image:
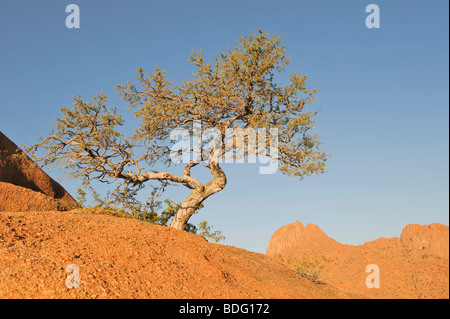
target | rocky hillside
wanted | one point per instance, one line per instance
(18, 169)
(427, 240)
(125, 258)
(118, 257)
(416, 265)
(20, 199)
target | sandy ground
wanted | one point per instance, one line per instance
(15, 198)
(125, 258)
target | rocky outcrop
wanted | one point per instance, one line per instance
(432, 240)
(295, 234)
(18, 169)
(416, 265)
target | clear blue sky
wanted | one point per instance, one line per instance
(383, 98)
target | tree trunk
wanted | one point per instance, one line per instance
(198, 195)
(187, 209)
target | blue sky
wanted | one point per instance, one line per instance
(383, 99)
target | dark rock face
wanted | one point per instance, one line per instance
(18, 169)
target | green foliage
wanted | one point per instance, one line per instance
(205, 231)
(202, 229)
(81, 197)
(308, 269)
(123, 202)
(237, 90)
(311, 269)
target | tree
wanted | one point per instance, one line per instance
(236, 92)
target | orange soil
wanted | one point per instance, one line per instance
(15, 198)
(126, 258)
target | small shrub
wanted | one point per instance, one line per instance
(309, 269)
(81, 197)
(205, 231)
(124, 203)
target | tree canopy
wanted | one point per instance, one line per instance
(236, 91)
